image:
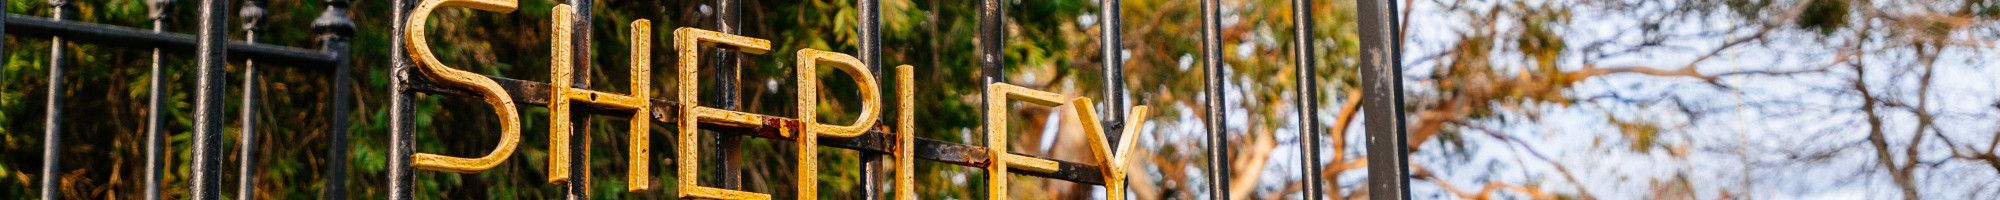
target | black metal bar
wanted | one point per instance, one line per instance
(870, 19)
(3, 28)
(52, 118)
(206, 175)
(400, 140)
(1308, 96)
(723, 66)
(157, 10)
(334, 28)
(1114, 68)
(117, 36)
(579, 187)
(1218, 137)
(252, 15)
(1382, 100)
(991, 59)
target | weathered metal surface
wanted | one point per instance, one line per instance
(870, 32)
(206, 175)
(777, 128)
(992, 39)
(500, 100)
(559, 76)
(252, 15)
(401, 142)
(116, 36)
(334, 29)
(1114, 65)
(723, 68)
(638, 102)
(1308, 97)
(905, 133)
(996, 135)
(52, 111)
(686, 41)
(1382, 89)
(1112, 162)
(1212, 100)
(808, 108)
(155, 165)
(580, 42)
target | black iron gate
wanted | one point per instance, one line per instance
(1380, 55)
(211, 50)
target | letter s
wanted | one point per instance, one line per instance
(503, 104)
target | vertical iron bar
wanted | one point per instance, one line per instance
(1114, 68)
(400, 139)
(208, 119)
(334, 28)
(52, 121)
(252, 14)
(1114, 72)
(1308, 96)
(158, 11)
(1396, 30)
(1218, 137)
(722, 64)
(1382, 88)
(3, 29)
(870, 19)
(579, 186)
(991, 42)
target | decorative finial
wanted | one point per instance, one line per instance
(157, 9)
(252, 14)
(334, 22)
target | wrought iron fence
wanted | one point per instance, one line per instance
(1380, 55)
(211, 50)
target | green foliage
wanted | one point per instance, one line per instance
(1985, 8)
(1749, 9)
(1824, 16)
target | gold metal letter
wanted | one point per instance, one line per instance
(998, 160)
(686, 42)
(906, 132)
(503, 105)
(1113, 163)
(637, 175)
(808, 107)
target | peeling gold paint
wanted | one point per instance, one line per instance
(561, 76)
(559, 73)
(1112, 163)
(996, 134)
(690, 115)
(687, 42)
(808, 107)
(503, 104)
(906, 132)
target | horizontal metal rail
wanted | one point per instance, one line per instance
(876, 140)
(32, 26)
